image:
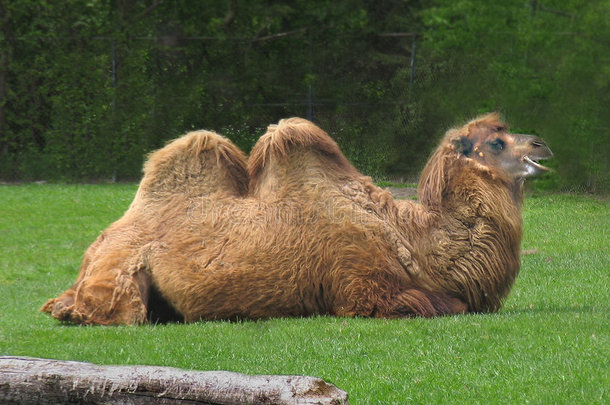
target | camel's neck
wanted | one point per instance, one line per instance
(472, 242)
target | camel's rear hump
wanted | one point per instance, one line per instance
(198, 163)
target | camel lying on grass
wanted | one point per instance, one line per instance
(295, 230)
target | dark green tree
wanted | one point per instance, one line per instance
(87, 88)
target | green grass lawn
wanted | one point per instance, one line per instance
(549, 344)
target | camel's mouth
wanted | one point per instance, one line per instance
(532, 167)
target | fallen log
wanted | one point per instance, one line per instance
(27, 380)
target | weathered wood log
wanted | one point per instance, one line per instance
(27, 380)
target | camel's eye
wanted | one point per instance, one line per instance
(497, 145)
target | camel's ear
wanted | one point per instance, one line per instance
(462, 145)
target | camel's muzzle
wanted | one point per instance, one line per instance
(538, 151)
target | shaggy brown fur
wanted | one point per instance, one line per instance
(298, 231)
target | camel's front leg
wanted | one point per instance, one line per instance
(381, 298)
(418, 302)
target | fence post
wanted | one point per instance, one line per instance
(114, 172)
(310, 115)
(310, 112)
(412, 74)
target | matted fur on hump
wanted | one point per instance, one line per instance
(291, 135)
(200, 162)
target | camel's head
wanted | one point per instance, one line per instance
(487, 141)
(486, 145)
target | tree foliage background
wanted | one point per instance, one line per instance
(88, 87)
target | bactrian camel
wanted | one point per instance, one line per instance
(296, 230)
